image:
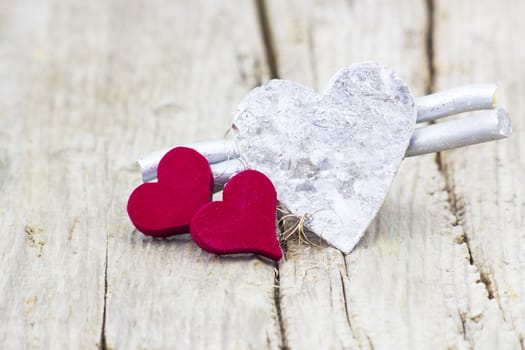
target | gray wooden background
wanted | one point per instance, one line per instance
(88, 86)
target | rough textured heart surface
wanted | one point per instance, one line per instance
(331, 156)
(244, 222)
(165, 208)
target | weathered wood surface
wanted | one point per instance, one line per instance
(486, 183)
(88, 86)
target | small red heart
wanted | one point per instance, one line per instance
(165, 208)
(244, 222)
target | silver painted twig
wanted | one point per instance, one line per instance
(482, 127)
(215, 151)
(223, 171)
(454, 101)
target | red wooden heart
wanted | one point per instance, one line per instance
(244, 222)
(165, 208)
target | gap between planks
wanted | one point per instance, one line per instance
(452, 200)
(449, 188)
(103, 345)
(271, 61)
(267, 38)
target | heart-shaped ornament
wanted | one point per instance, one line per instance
(331, 156)
(165, 208)
(244, 222)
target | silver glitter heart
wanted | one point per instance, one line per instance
(331, 156)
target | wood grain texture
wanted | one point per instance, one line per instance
(486, 181)
(409, 283)
(87, 87)
(53, 177)
(180, 69)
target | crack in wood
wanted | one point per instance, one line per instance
(345, 302)
(457, 211)
(370, 344)
(267, 37)
(271, 61)
(278, 310)
(452, 198)
(347, 312)
(103, 345)
(345, 264)
(429, 49)
(462, 317)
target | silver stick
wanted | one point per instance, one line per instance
(458, 100)
(215, 151)
(223, 171)
(488, 126)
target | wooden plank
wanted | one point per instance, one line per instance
(409, 283)
(52, 174)
(486, 181)
(178, 71)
